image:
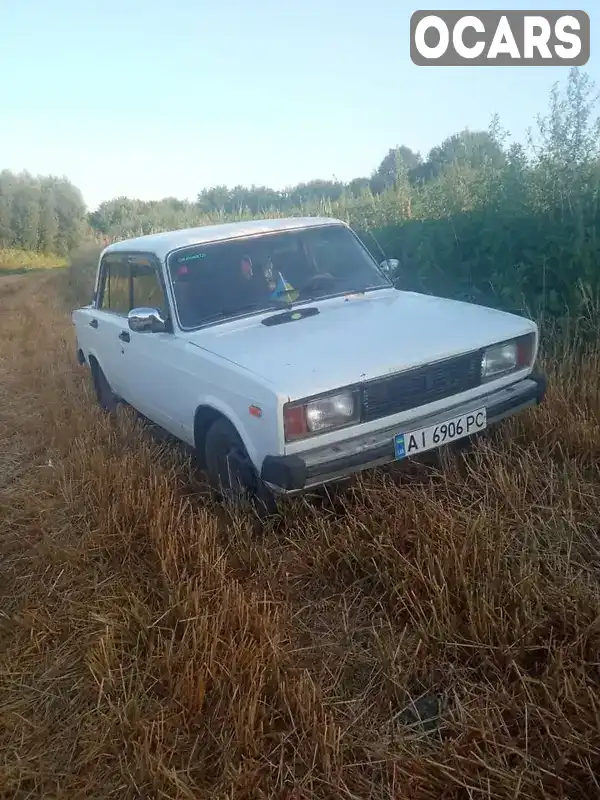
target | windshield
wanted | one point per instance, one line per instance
(240, 276)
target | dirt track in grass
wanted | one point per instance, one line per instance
(431, 632)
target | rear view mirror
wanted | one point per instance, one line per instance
(146, 320)
(389, 266)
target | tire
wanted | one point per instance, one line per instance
(231, 472)
(107, 400)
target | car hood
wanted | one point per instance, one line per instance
(356, 338)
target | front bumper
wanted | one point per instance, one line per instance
(294, 473)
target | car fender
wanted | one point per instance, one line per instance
(255, 440)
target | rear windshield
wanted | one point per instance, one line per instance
(222, 280)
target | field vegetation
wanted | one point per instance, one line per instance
(15, 261)
(424, 632)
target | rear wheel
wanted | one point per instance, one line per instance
(107, 400)
(231, 471)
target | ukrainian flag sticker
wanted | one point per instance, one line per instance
(400, 446)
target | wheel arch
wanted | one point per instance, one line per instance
(208, 413)
(94, 364)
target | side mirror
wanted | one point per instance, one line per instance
(389, 266)
(146, 320)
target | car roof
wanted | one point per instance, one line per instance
(161, 244)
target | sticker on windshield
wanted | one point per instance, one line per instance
(191, 257)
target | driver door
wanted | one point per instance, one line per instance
(108, 318)
(152, 373)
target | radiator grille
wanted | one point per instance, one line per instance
(383, 397)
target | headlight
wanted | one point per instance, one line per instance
(321, 414)
(499, 359)
(502, 359)
(334, 410)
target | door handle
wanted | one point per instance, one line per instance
(124, 336)
(94, 323)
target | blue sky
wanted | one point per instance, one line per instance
(149, 98)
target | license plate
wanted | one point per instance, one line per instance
(414, 442)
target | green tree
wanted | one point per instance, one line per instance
(7, 185)
(473, 149)
(394, 169)
(359, 186)
(569, 133)
(71, 211)
(566, 147)
(26, 212)
(48, 222)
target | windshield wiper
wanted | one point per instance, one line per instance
(346, 292)
(372, 288)
(235, 311)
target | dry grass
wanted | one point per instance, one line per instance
(25, 260)
(150, 649)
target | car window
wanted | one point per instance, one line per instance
(222, 280)
(114, 288)
(146, 286)
(128, 282)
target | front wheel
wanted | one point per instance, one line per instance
(231, 472)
